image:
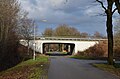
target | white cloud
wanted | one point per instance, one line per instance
(74, 12)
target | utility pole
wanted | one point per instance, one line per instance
(34, 45)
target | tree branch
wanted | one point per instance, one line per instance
(114, 10)
(102, 4)
(117, 3)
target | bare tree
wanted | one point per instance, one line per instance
(8, 21)
(27, 30)
(9, 14)
(117, 34)
(117, 27)
(109, 10)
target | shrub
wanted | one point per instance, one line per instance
(23, 52)
(98, 50)
(116, 51)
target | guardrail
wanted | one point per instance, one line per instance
(72, 39)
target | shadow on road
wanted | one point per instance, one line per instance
(56, 54)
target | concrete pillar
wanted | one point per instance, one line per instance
(68, 48)
(41, 48)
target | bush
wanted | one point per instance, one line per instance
(116, 51)
(98, 50)
(23, 52)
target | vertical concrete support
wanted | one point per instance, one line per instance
(41, 48)
(72, 48)
(68, 48)
(59, 47)
(77, 46)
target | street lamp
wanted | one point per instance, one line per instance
(34, 45)
(34, 55)
(44, 20)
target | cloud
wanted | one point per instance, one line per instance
(79, 13)
(40, 9)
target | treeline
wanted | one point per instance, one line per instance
(12, 23)
(68, 31)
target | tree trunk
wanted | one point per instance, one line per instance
(110, 33)
(110, 42)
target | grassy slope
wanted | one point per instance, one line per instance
(112, 69)
(30, 69)
(88, 58)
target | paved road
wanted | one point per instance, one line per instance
(67, 68)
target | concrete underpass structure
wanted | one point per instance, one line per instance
(74, 44)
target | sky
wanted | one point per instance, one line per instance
(84, 15)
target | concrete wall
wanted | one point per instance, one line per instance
(83, 45)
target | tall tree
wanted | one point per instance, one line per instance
(8, 21)
(109, 10)
(9, 17)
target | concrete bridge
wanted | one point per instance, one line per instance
(73, 44)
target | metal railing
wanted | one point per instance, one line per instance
(71, 39)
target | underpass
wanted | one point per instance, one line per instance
(73, 45)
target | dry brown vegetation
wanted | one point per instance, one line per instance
(30, 69)
(98, 50)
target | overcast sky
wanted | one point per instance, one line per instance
(81, 14)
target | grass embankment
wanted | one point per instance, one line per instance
(114, 69)
(88, 58)
(30, 69)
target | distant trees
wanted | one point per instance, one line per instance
(66, 31)
(98, 35)
(48, 32)
(62, 31)
(84, 35)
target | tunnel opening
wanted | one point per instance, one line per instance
(58, 49)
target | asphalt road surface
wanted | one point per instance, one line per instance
(68, 68)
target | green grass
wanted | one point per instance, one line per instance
(110, 68)
(30, 69)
